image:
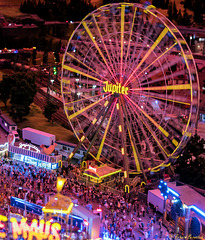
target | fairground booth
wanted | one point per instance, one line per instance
(98, 174)
(30, 154)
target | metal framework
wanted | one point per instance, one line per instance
(130, 87)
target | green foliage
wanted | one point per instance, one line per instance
(170, 11)
(49, 110)
(20, 88)
(191, 164)
(175, 12)
(58, 9)
(22, 94)
(179, 18)
(186, 18)
(198, 6)
(5, 88)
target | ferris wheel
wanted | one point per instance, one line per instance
(130, 87)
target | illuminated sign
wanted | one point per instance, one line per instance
(29, 147)
(40, 230)
(92, 168)
(115, 88)
(35, 162)
(4, 147)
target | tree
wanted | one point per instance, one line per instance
(22, 94)
(199, 10)
(170, 11)
(186, 18)
(191, 164)
(175, 13)
(179, 18)
(5, 88)
(49, 110)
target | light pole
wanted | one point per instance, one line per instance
(164, 192)
(25, 204)
(52, 81)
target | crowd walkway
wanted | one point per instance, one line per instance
(121, 218)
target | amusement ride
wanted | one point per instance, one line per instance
(130, 87)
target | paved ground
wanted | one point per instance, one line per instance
(154, 232)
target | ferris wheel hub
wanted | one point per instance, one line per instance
(115, 88)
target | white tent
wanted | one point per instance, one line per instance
(92, 219)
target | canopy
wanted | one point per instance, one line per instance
(100, 172)
(58, 204)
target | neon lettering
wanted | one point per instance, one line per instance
(2, 225)
(115, 88)
(55, 228)
(35, 230)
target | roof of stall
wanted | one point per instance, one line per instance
(101, 172)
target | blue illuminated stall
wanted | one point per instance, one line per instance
(36, 159)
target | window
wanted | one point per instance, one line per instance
(64, 148)
(13, 128)
(78, 151)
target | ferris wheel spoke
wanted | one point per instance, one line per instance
(173, 76)
(122, 38)
(103, 43)
(131, 31)
(167, 87)
(148, 117)
(108, 106)
(97, 47)
(89, 106)
(161, 36)
(146, 138)
(151, 131)
(80, 72)
(85, 98)
(153, 62)
(85, 65)
(105, 133)
(164, 97)
(138, 162)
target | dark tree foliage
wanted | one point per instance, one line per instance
(20, 88)
(49, 110)
(186, 20)
(5, 88)
(188, 4)
(199, 10)
(198, 6)
(161, 3)
(191, 163)
(170, 11)
(58, 9)
(117, 1)
(22, 94)
(179, 18)
(166, 4)
(175, 13)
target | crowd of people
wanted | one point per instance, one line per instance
(121, 217)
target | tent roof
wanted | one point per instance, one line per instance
(58, 202)
(188, 195)
(83, 212)
(102, 171)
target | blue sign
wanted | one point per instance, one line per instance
(30, 207)
(34, 161)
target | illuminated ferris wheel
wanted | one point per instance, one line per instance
(130, 87)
